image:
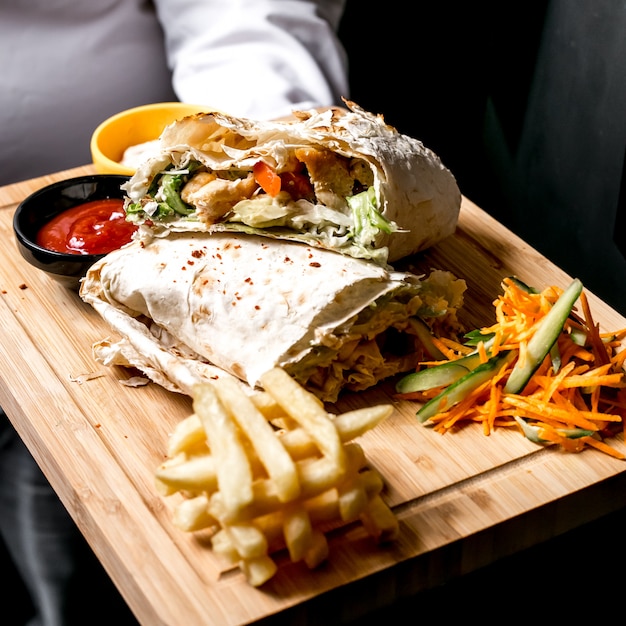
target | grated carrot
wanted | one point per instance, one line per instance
(601, 445)
(483, 352)
(448, 352)
(456, 347)
(584, 391)
(597, 346)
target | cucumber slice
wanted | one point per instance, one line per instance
(522, 285)
(424, 334)
(459, 390)
(443, 374)
(544, 338)
(532, 432)
(438, 375)
(579, 337)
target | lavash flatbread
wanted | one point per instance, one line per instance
(412, 203)
(191, 307)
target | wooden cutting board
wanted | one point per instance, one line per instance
(463, 499)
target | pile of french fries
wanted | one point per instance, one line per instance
(270, 471)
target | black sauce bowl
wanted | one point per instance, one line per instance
(42, 205)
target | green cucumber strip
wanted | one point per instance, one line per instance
(438, 375)
(532, 432)
(522, 285)
(442, 374)
(555, 357)
(460, 389)
(541, 342)
(575, 433)
(579, 337)
(423, 333)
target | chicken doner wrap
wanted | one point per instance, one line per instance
(338, 179)
(191, 306)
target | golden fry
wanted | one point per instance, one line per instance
(258, 570)
(379, 520)
(307, 410)
(298, 533)
(193, 514)
(276, 460)
(223, 546)
(318, 551)
(247, 539)
(186, 436)
(258, 490)
(349, 426)
(194, 474)
(234, 475)
(352, 501)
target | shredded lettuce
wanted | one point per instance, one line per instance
(164, 201)
(352, 231)
(263, 211)
(368, 220)
(171, 184)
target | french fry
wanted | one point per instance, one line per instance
(272, 454)
(298, 533)
(307, 410)
(271, 409)
(234, 475)
(186, 436)
(371, 481)
(193, 514)
(258, 570)
(247, 539)
(257, 489)
(352, 500)
(318, 550)
(223, 546)
(349, 426)
(190, 474)
(316, 476)
(355, 423)
(379, 520)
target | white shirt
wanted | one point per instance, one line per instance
(68, 65)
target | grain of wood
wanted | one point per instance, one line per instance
(99, 442)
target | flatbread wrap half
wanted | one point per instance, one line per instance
(340, 179)
(191, 307)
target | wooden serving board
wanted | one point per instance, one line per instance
(463, 499)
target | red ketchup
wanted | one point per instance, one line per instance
(95, 227)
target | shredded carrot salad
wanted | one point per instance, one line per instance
(575, 399)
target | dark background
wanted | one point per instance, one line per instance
(524, 102)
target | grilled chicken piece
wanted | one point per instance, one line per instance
(330, 175)
(214, 197)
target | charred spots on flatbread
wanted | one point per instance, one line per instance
(337, 178)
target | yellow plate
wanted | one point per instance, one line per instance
(132, 127)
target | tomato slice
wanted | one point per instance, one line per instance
(267, 178)
(298, 185)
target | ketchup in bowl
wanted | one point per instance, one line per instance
(95, 227)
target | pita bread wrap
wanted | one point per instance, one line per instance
(340, 179)
(195, 306)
